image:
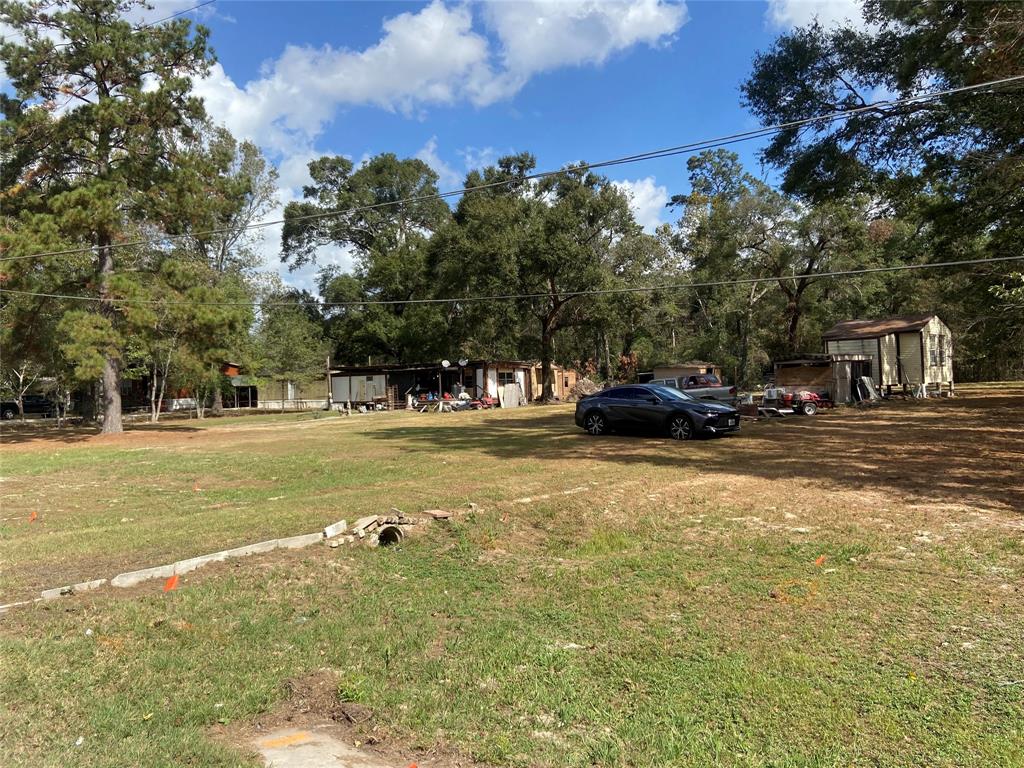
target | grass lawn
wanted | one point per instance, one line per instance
(843, 590)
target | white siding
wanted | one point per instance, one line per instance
(887, 369)
(521, 380)
(910, 357)
(366, 388)
(858, 347)
(492, 382)
(340, 388)
(938, 362)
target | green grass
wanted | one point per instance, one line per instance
(672, 615)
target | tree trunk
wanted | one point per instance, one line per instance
(546, 353)
(610, 372)
(153, 412)
(111, 379)
(163, 388)
(217, 407)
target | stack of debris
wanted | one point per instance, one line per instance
(583, 387)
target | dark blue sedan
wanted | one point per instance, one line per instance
(648, 407)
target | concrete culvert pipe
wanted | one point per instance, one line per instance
(389, 535)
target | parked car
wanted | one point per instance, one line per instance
(704, 386)
(657, 408)
(34, 405)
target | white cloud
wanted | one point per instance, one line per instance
(425, 58)
(431, 57)
(479, 157)
(798, 13)
(539, 35)
(447, 177)
(647, 199)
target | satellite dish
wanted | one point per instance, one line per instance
(445, 363)
(463, 362)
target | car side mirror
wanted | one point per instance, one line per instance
(653, 399)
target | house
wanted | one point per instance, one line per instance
(907, 351)
(390, 385)
(250, 392)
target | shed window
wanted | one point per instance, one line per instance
(506, 377)
(933, 349)
(943, 341)
(369, 378)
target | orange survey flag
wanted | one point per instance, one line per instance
(820, 561)
(33, 516)
(171, 583)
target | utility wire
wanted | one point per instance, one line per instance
(653, 154)
(147, 25)
(514, 296)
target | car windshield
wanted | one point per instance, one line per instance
(670, 393)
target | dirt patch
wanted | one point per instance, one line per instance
(312, 704)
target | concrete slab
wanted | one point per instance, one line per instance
(313, 748)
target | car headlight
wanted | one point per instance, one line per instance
(708, 413)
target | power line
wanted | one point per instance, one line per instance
(149, 24)
(515, 296)
(651, 155)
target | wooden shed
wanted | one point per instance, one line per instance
(906, 351)
(564, 379)
(835, 376)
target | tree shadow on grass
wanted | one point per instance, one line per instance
(961, 451)
(27, 434)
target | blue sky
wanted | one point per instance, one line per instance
(460, 83)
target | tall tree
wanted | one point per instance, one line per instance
(546, 241)
(88, 147)
(388, 240)
(952, 167)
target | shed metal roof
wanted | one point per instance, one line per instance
(871, 329)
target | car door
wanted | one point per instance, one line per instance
(617, 403)
(651, 409)
(640, 407)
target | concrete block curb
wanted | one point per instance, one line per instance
(18, 604)
(252, 549)
(71, 589)
(337, 533)
(186, 566)
(131, 578)
(298, 542)
(335, 530)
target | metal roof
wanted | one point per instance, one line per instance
(871, 329)
(403, 368)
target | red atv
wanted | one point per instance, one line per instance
(804, 401)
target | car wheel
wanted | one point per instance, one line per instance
(680, 428)
(810, 408)
(595, 423)
(9, 414)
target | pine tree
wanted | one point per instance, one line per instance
(89, 153)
